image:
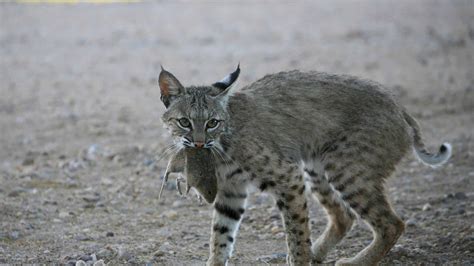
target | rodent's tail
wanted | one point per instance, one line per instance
(431, 159)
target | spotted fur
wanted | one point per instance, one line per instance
(337, 137)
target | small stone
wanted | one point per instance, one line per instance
(81, 263)
(16, 192)
(28, 161)
(426, 207)
(14, 235)
(159, 253)
(179, 203)
(63, 214)
(99, 263)
(171, 214)
(110, 234)
(91, 199)
(105, 253)
(411, 222)
(85, 258)
(123, 254)
(460, 195)
(275, 230)
(83, 238)
(46, 251)
(280, 235)
(92, 152)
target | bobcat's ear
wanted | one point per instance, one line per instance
(170, 87)
(227, 82)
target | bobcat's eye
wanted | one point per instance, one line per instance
(184, 122)
(212, 123)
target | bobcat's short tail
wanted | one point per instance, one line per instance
(431, 159)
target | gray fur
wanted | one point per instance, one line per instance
(340, 134)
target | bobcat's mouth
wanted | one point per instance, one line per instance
(190, 144)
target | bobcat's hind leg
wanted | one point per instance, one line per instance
(340, 218)
(364, 193)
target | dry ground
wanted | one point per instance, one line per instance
(80, 127)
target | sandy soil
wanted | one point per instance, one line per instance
(80, 128)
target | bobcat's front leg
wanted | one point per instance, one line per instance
(229, 207)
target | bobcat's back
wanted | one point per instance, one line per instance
(291, 108)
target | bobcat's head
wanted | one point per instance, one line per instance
(196, 116)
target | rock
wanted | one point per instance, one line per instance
(86, 257)
(63, 214)
(457, 195)
(426, 207)
(179, 203)
(71, 262)
(460, 195)
(17, 192)
(171, 214)
(81, 263)
(124, 254)
(92, 198)
(28, 161)
(159, 253)
(275, 230)
(83, 238)
(110, 234)
(99, 263)
(14, 235)
(411, 222)
(92, 152)
(105, 253)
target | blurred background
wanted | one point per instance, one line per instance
(80, 126)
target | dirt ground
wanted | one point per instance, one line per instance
(80, 125)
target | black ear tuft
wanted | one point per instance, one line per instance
(228, 80)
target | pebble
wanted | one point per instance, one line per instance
(99, 263)
(159, 253)
(171, 214)
(14, 235)
(426, 207)
(92, 152)
(28, 161)
(83, 238)
(411, 222)
(81, 263)
(86, 257)
(457, 195)
(17, 192)
(179, 203)
(110, 234)
(92, 198)
(275, 230)
(63, 214)
(123, 254)
(105, 253)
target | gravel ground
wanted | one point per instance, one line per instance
(80, 129)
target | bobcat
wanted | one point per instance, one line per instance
(337, 137)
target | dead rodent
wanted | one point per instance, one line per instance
(197, 166)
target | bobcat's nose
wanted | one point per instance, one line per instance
(199, 144)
